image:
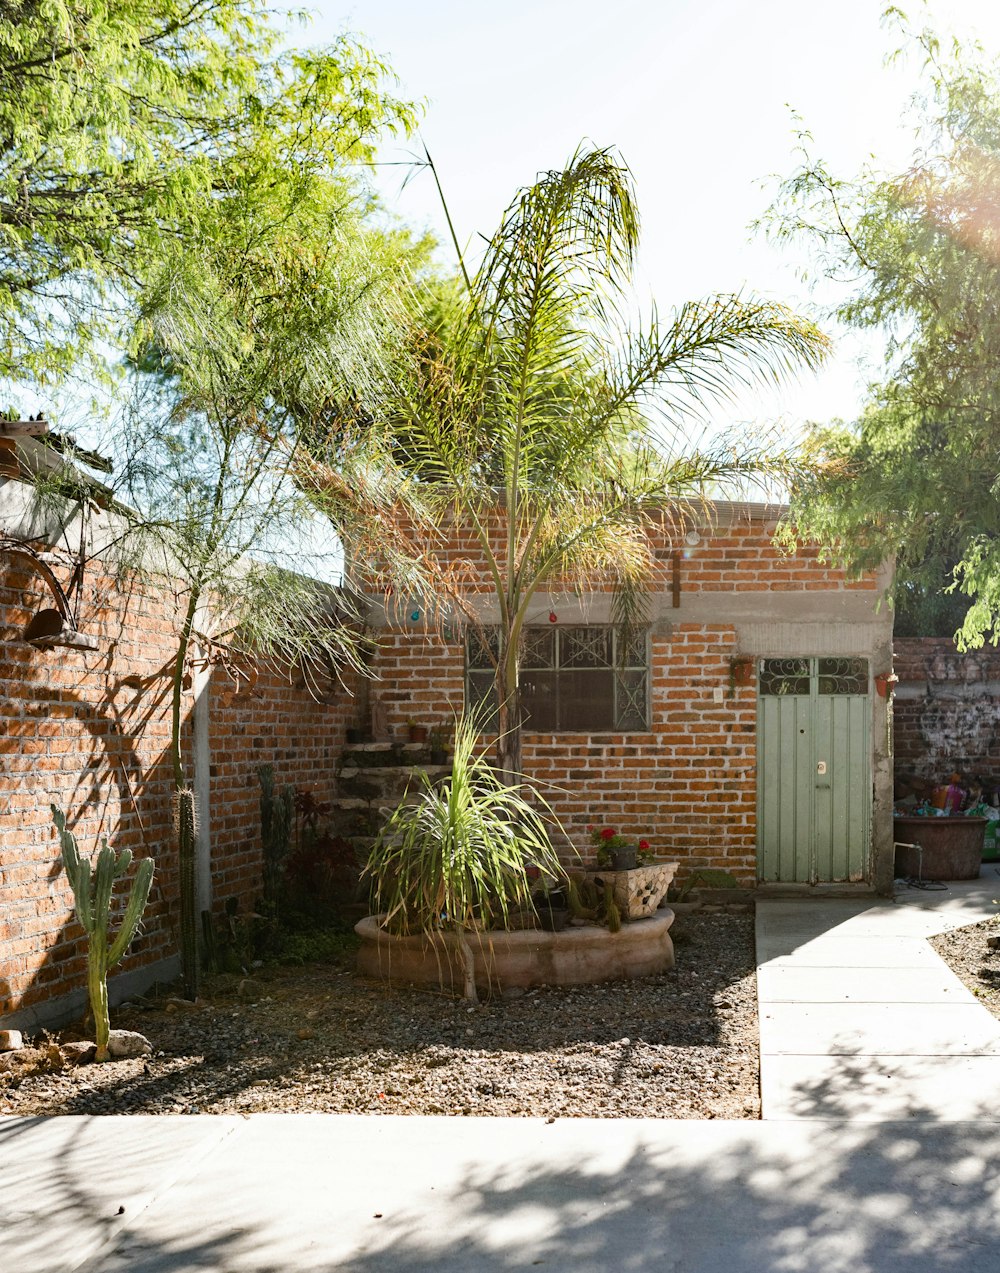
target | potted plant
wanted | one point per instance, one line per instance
(439, 752)
(454, 861)
(552, 908)
(618, 852)
(417, 733)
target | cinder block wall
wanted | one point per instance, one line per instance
(90, 733)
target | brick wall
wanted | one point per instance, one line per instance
(735, 554)
(688, 784)
(946, 711)
(90, 732)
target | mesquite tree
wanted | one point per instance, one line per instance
(914, 254)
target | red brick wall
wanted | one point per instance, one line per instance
(280, 723)
(687, 784)
(946, 713)
(90, 732)
(729, 558)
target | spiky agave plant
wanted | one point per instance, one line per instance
(456, 858)
(93, 909)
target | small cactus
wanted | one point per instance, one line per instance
(93, 910)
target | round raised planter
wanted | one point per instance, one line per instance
(529, 957)
(949, 848)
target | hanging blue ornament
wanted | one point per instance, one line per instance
(414, 616)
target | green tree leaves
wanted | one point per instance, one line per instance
(918, 472)
(124, 125)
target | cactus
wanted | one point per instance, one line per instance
(93, 910)
(277, 813)
(612, 915)
(184, 826)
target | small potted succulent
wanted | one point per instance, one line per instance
(618, 852)
(439, 751)
(417, 733)
(552, 906)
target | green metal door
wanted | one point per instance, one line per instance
(814, 790)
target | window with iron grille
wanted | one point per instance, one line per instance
(573, 679)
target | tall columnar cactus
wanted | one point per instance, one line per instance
(184, 825)
(277, 814)
(93, 910)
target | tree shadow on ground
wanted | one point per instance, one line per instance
(890, 1198)
(620, 1035)
(358, 1196)
(83, 1190)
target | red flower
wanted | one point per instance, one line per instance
(643, 845)
(608, 833)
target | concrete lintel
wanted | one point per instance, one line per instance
(828, 609)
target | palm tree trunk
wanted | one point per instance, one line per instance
(508, 727)
(468, 965)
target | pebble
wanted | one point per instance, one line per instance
(557, 1052)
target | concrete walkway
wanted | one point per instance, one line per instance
(818, 1186)
(860, 1018)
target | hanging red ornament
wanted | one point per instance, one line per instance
(553, 617)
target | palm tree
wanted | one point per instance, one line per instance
(529, 398)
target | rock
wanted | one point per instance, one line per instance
(11, 1040)
(992, 942)
(79, 1052)
(176, 1004)
(305, 1033)
(128, 1043)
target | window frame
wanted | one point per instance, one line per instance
(564, 665)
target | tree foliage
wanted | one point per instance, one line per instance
(918, 472)
(124, 124)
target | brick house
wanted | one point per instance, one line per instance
(743, 731)
(667, 738)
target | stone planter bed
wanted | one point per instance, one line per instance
(520, 960)
(681, 1044)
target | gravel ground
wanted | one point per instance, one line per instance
(319, 1038)
(966, 953)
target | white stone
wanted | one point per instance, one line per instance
(11, 1040)
(128, 1043)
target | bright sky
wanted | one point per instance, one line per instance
(697, 96)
